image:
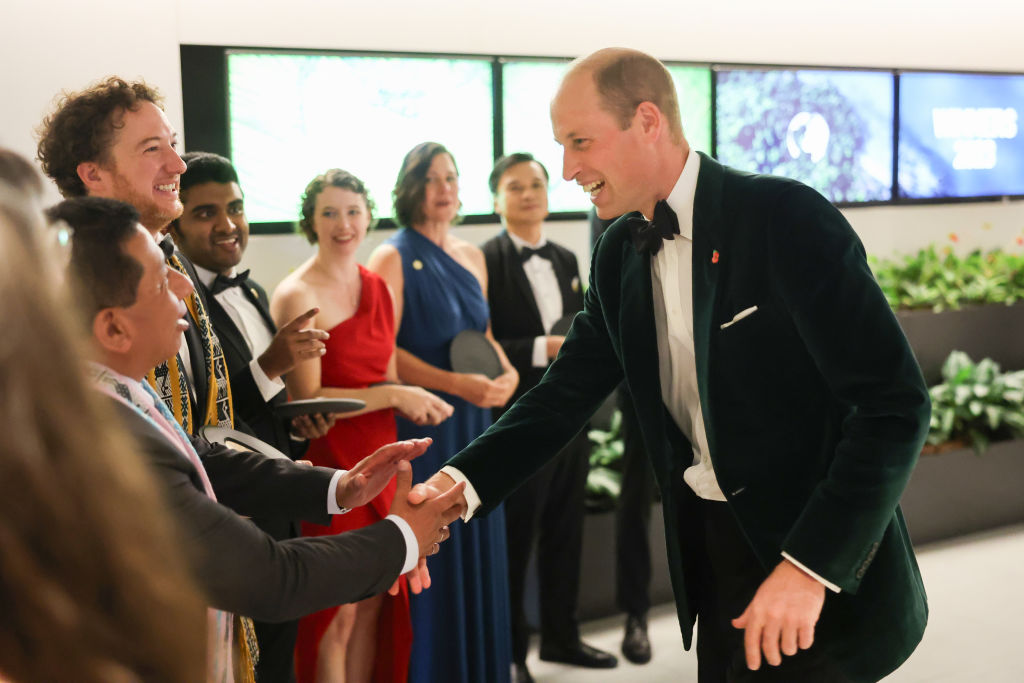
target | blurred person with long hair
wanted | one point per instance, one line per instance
(93, 584)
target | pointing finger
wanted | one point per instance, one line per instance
(298, 321)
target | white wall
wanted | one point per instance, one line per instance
(60, 44)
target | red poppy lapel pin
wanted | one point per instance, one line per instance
(714, 256)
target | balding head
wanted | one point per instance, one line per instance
(624, 78)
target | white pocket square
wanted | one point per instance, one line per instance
(739, 316)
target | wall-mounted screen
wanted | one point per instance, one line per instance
(527, 89)
(959, 135)
(292, 116)
(830, 129)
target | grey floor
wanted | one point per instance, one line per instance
(975, 632)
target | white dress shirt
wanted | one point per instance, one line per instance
(672, 293)
(540, 273)
(251, 325)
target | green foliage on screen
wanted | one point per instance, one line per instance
(293, 116)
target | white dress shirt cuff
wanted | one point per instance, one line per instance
(332, 495)
(472, 498)
(828, 584)
(540, 352)
(269, 388)
(412, 546)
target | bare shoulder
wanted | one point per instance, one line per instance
(386, 261)
(468, 251)
(294, 295)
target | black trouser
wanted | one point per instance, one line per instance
(633, 517)
(724, 575)
(548, 508)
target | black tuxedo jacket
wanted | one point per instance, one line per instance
(240, 568)
(251, 409)
(814, 406)
(515, 319)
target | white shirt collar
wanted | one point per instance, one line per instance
(100, 368)
(208, 276)
(519, 242)
(681, 198)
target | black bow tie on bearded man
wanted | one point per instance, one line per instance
(648, 235)
(223, 282)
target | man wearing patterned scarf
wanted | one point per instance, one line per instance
(113, 140)
(132, 304)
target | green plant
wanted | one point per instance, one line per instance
(930, 279)
(977, 403)
(604, 481)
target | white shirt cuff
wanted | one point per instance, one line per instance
(472, 498)
(540, 352)
(828, 584)
(412, 546)
(269, 388)
(332, 495)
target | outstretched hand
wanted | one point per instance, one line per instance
(418, 578)
(782, 615)
(433, 487)
(428, 519)
(362, 483)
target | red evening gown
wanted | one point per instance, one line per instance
(357, 356)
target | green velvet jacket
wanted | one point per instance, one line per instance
(814, 406)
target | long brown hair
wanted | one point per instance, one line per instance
(93, 584)
(411, 186)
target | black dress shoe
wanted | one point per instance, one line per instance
(635, 645)
(580, 655)
(520, 674)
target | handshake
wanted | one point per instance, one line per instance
(427, 508)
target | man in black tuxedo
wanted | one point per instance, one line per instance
(780, 404)
(213, 233)
(132, 302)
(533, 285)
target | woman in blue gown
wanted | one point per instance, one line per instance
(461, 624)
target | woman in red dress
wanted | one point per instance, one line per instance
(369, 640)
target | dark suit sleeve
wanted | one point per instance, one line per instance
(847, 327)
(243, 570)
(257, 486)
(547, 417)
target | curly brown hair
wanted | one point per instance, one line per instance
(411, 186)
(82, 128)
(334, 177)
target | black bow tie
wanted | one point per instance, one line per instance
(648, 235)
(223, 282)
(526, 253)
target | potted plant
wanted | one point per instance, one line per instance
(969, 476)
(944, 301)
(976, 404)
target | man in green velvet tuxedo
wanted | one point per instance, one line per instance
(779, 402)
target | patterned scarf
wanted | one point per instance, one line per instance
(223, 647)
(169, 378)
